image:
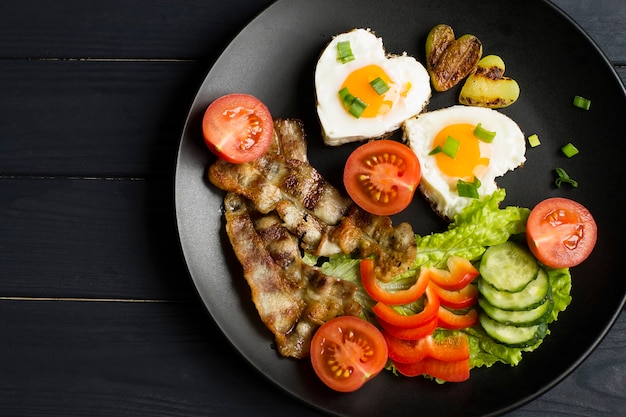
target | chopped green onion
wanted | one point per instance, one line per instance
(435, 150)
(451, 147)
(563, 178)
(569, 150)
(468, 189)
(533, 140)
(346, 97)
(380, 86)
(357, 107)
(354, 105)
(483, 134)
(582, 103)
(344, 52)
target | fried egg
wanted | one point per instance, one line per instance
(449, 150)
(364, 93)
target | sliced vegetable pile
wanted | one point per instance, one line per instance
(516, 298)
(476, 294)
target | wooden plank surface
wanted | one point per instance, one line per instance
(94, 118)
(125, 359)
(97, 314)
(121, 29)
(170, 29)
(90, 238)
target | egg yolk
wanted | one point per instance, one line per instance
(472, 157)
(358, 84)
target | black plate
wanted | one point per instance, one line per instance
(552, 59)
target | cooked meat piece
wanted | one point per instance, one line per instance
(289, 139)
(291, 297)
(274, 293)
(269, 180)
(277, 206)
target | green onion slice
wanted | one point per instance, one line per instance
(582, 103)
(344, 52)
(451, 147)
(380, 86)
(346, 97)
(357, 107)
(563, 178)
(533, 140)
(569, 150)
(435, 150)
(483, 134)
(354, 105)
(468, 189)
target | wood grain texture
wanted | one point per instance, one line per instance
(128, 29)
(98, 316)
(121, 359)
(170, 28)
(90, 238)
(94, 118)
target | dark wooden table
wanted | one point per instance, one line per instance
(97, 313)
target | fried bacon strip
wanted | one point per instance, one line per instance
(326, 222)
(279, 204)
(292, 298)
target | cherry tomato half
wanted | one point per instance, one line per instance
(560, 232)
(381, 176)
(346, 352)
(237, 128)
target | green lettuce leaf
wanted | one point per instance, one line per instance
(479, 225)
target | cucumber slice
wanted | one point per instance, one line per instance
(514, 336)
(508, 267)
(520, 317)
(533, 295)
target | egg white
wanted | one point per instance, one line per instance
(507, 153)
(338, 126)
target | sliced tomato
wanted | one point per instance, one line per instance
(378, 293)
(460, 273)
(391, 316)
(560, 232)
(381, 176)
(463, 298)
(451, 371)
(346, 352)
(237, 128)
(451, 320)
(452, 347)
(413, 333)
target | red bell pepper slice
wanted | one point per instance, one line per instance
(460, 273)
(451, 371)
(379, 294)
(450, 320)
(459, 299)
(413, 333)
(389, 315)
(454, 347)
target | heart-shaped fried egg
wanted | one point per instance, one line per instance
(460, 160)
(364, 93)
